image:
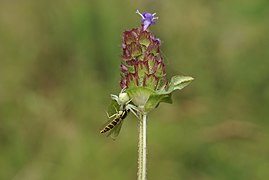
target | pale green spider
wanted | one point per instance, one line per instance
(124, 101)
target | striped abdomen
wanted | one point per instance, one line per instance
(111, 125)
(121, 115)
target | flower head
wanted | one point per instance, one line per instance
(147, 19)
(143, 74)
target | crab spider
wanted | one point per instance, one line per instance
(124, 101)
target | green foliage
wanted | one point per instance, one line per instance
(139, 95)
(177, 83)
(163, 95)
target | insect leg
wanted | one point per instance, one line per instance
(111, 115)
(133, 108)
(114, 97)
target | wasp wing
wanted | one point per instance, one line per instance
(105, 125)
(116, 130)
(113, 107)
(113, 133)
(112, 111)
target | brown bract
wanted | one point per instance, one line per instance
(142, 63)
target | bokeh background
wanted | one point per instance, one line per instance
(59, 62)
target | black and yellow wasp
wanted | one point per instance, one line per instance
(114, 125)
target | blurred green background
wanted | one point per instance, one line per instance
(59, 62)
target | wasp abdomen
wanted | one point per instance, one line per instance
(120, 116)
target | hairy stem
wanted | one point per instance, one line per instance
(142, 147)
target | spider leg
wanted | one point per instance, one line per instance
(134, 113)
(122, 90)
(133, 108)
(128, 101)
(115, 97)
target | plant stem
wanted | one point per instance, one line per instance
(142, 147)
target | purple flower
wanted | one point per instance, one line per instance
(147, 19)
(158, 40)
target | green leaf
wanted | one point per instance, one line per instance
(167, 99)
(149, 99)
(155, 99)
(139, 95)
(179, 82)
(176, 83)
